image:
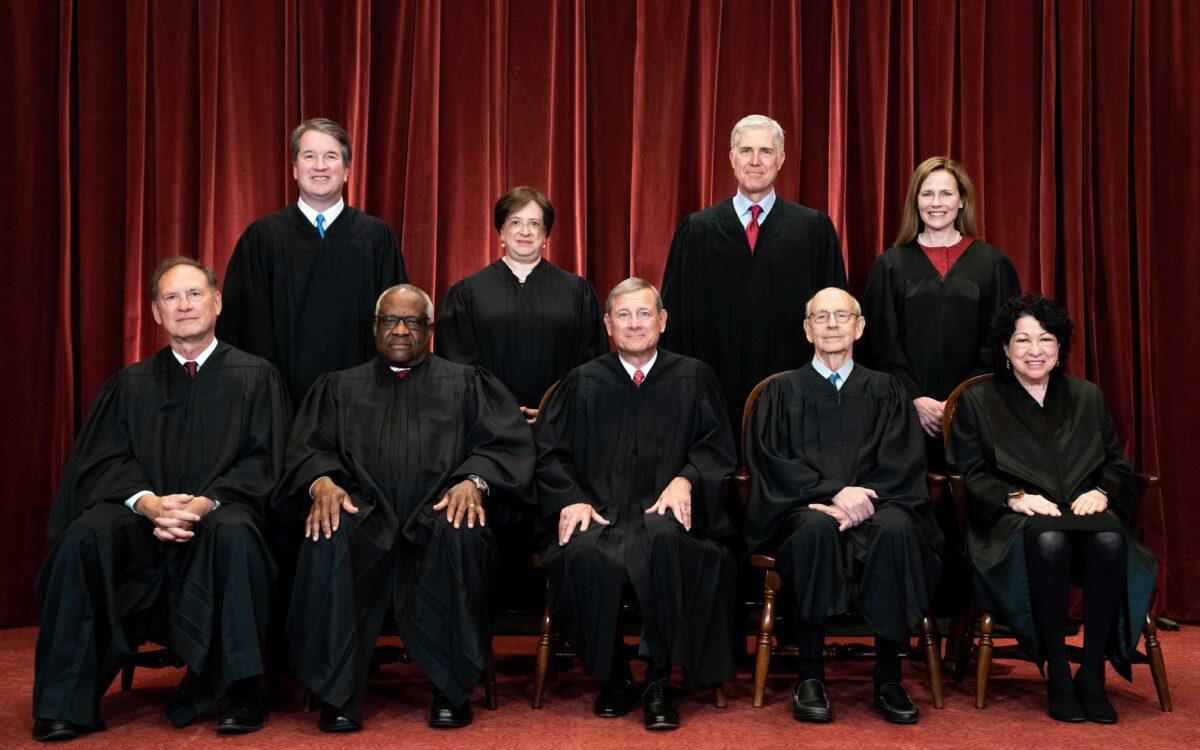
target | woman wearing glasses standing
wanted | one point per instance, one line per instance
(930, 298)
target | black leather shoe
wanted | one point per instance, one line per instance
(658, 711)
(809, 702)
(247, 710)
(615, 698)
(1064, 704)
(1095, 705)
(53, 730)
(442, 715)
(334, 721)
(895, 705)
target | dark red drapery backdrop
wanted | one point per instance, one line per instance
(143, 130)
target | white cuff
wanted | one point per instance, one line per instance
(132, 501)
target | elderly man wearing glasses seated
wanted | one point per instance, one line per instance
(399, 464)
(839, 498)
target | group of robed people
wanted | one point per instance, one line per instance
(197, 512)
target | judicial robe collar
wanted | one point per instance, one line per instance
(384, 374)
(166, 361)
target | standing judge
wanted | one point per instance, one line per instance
(301, 286)
(405, 458)
(632, 449)
(838, 496)
(736, 269)
(155, 533)
(931, 297)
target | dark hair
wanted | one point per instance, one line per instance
(516, 199)
(967, 219)
(179, 260)
(1048, 313)
(329, 128)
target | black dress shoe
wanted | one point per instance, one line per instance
(615, 698)
(443, 715)
(53, 730)
(809, 702)
(243, 718)
(658, 711)
(1064, 704)
(334, 721)
(1095, 705)
(895, 705)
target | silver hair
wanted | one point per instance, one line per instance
(854, 306)
(629, 286)
(756, 122)
(410, 289)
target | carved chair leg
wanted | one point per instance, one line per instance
(127, 676)
(933, 660)
(1158, 668)
(543, 657)
(719, 695)
(489, 681)
(766, 628)
(984, 668)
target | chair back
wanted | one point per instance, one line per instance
(741, 476)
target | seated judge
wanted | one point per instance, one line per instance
(1050, 497)
(838, 496)
(632, 449)
(156, 531)
(404, 458)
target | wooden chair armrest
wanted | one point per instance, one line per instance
(762, 562)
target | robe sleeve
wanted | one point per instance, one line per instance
(987, 494)
(558, 482)
(711, 458)
(314, 451)
(455, 336)
(677, 337)
(898, 477)
(781, 477)
(835, 265)
(884, 328)
(1115, 477)
(252, 477)
(391, 260)
(246, 320)
(499, 443)
(1005, 285)
(594, 339)
(102, 466)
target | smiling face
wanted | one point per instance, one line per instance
(832, 336)
(524, 233)
(185, 305)
(756, 160)
(399, 345)
(938, 201)
(1032, 350)
(635, 323)
(319, 170)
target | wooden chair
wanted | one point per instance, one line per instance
(767, 645)
(973, 619)
(552, 647)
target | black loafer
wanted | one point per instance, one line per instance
(658, 712)
(895, 705)
(615, 698)
(1096, 706)
(51, 730)
(1064, 704)
(809, 702)
(443, 715)
(243, 719)
(333, 721)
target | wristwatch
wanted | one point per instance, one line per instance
(479, 482)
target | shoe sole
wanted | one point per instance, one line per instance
(661, 726)
(813, 719)
(239, 728)
(59, 735)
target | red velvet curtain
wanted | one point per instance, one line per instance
(143, 130)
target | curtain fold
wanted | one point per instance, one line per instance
(145, 130)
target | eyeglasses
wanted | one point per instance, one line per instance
(415, 323)
(841, 316)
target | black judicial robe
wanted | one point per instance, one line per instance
(108, 585)
(396, 445)
(806, 441)
(929, 331)
(527, 334)
(1001, 440)
(607, 443)
(305, 303)
(742, 312)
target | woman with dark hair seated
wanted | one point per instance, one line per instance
(1050, 498)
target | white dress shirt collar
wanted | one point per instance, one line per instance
(742, 204)
(330, 213)
(644, 368)
(844, 371)
(199, 360)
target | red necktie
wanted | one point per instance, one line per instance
(638, 377)
(191, 368)
(752, 227)
(401, 373)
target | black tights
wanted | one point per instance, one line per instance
(1048, 560)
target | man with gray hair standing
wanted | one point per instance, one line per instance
(737, 271)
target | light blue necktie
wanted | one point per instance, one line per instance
(321, 225)
(834, 378)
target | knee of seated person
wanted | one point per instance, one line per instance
(231, 535)
(895, 524)
(665, 526)
(1048, 544)
(81, 535)
(1111, 544)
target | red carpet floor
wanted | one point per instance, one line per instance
(398, 697)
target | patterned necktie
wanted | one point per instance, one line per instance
(752, 227)
(191, 368)
(834, 378)
(638, 377)
(321, 225)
